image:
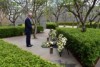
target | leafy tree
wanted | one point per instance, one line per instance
(78, 9)
(3, 10)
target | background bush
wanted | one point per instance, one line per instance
(40, 29)
(12, 56)
(51, 25)
(84, 46)
(68, 23)
(10, 31)
(75, 24)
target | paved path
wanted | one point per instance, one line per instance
(43, 52)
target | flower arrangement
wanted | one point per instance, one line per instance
(52, 34)
(61, 42)
(45, 44)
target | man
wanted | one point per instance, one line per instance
(28, 29)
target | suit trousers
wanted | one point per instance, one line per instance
(28, 39)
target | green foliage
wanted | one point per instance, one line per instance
(85, 46)
(12, 56)
(68, 23)
(75, 24)
(51, 25)
(9, 31)
(40, 29)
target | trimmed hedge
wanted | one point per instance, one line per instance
(10, 31)
(75, 24)
(40, 29)
(68, 23)
(51, 25)
(12, 56)
(84, 46)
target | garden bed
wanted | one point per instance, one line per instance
(12, 56)
(84, 46)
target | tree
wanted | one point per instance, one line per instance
(34, 6)
(14, 11)
(37, 7)
(3, 10)
(58, 9)
(78, 9)
(94, 15)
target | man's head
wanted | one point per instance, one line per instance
(30, 15)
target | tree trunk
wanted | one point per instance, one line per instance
(35, 31)
(57, 21)
(90, 24)
(98, 23)
(83, 27)
(13, 23)
(0, 23)
(78, 25)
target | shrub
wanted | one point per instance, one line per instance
(10, 31)
(51, 25)
(84, 46)
(75, 24)
(40, 29)
(68, 23)
(21, 25)
(12, 56)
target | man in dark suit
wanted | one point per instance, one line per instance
(28, 30)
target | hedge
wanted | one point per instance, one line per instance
(68, 23)
(12, 56)
(51, 25)
(10, 31)
(84, 46)
(39, 28)
(75, 24)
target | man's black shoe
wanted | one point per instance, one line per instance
(29, 45)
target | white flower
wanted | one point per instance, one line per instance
(51, 42)
(61, 42)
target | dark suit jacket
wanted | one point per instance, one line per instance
(28, 26)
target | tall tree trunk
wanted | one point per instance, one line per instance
(98, 24)
(35, 27)
(83, 27)
(14, 23)
(90, 24)
(78, 24)
(35, 31)
(57, 20)
(0, 23)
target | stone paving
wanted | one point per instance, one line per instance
(44, 52)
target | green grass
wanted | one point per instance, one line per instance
(12, 56)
